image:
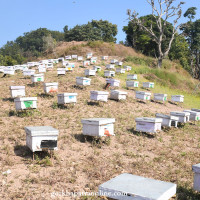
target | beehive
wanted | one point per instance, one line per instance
(97, 68)
(83, 81)
(24, 103)
(29, 72)
(132, 76)
(142, 95)
(177, 98)
(104, 57)
(110, 66)
(120, 70)
(49, 66)
(68, 68)
(17, 91)
(80, 58)
(160, 97)
(61, 71)
(148, 85)
(89, 55)
(86, 63)
(71, 65)
(90, 72)
(98, 127)
(37, 78)
(109, 73)
(40, 138)
(118, 95)
(183, 117)
(168, 120)
(93, 61)
(119, 63)
(196, 110)
(113, 61)
(41, 69)
(127, 68)
(50, 87)
(99, 96)
(194, 116)
(9, 71)
(68, 57)
(67, 98)
(74, 56)
(132, 84)
(132, 187)
(196, 170)
(113, 82)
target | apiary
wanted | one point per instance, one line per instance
(17, 91)
(168, 120)
(104, 57)
(113, 61)
(24, 103)
(132, 84)
(132, 76)
(110, 66)
(80, 58)
(177, 98)
(132, 187)
(37, 78)
(99, 96)
(97, 68)
(143, 95)
(109, 73)
(98, 127)
(120, 70)
(66, 98)
(183, 117)
(61, 71)
(86, 63)
(83, 81)
(119, 63)
(90, 72)
(29, 72)
(68, 57)
(194, 116)
(118, 95)
(127, 68)
(160, 97)
(50, 87)
(113, 82)
(148, 85)
(196, 170)
(40, 138)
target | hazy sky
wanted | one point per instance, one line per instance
(19, 16)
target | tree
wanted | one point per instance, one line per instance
(165, 10)
(49, 43)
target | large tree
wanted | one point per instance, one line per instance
(162, 11)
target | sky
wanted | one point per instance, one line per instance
(20, 16)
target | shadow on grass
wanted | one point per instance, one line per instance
(187, 194)
(8, 99)
(66, 106)
(78, 87)
(158, 102)
(140, 101)
(44, 95)
(24, 113)
(143, 134)
(173, 103)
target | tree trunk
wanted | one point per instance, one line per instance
(160, 60)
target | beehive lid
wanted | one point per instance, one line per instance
(60, 69)
(196, 168)
(51, 84)
(192, 112)
(26, 99)
(178, 96)
(67, 94)
(92, 70)
(183, 114)
(132, 81)
(41, 130)
(98, 67)
(144, 93)
(17, 87)
(29, 70)
(132, 75)
(157, 94)
(148, 119)
(196, 110)
(98, 121)
(37, 75)
(159, 115)
(148, 82)
(118, 92)
(83, 78)
(140, 187)
(112, 80)
(99, 92)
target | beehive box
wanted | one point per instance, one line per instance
(132, 84)
(80, 58)
(44, 61)
(86, 63)
(97, 68)
(127, 68)
(196, 110)
(177, 98)
(49, 66)
(68, 57)
(9, 71)
(132, 187)
(119, 63)
(113, 82)
(68, 68)
(39, 138)
(109, 73)
(183, 117)
(148, 85)
(99, 96)
(113, 61)
(149, 125)
(74, 56)
(29, 72)
(61, 71)
(83, 81)
(67, 98)
(143, 95)
(160, 97)
(168, 120)
(194, 116)
(93, 61)
(90, 72)
(196, 170)
(89, 55)
(65, 63)
(118, 95)
(132, 76)
(37, 78)
(98, 127)
(71, 65)
(110, 66)
(104, 57)
(50, 87)
(24, 103)
(17, 91)
(41, 69)
(120, 70)
(55, 61)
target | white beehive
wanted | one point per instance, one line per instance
(67, 98)
(55, 61)
(97, 68)
(93, 61)
(132, 76)
(86, 63)
(90, 72)
(132, 84)
(69, 68)
(65, 63)
(83, 81)
(98, 127)
(120, 70)
(104, 57)
(143, 95)
(177, 98)
(17, 91)
(24, 103)
(37, 78)
(109, 73)
(44, 62)
(132, 187)
(41, 69)
(80, 58)
(119, 63)
(168, 120)
(30, 64)
(118, 95)
(49, 66)
(29, 72)
(149, 125)
(61, 71)
(148, 85)
(68, 57)
(194, 116)
(160, 97)
(113, 82)
(113, 61)
(50, 87)
(110, 66)
(9, 71)
(74, 56)
(196, 170)
(89, 55)
(183, 117)
(99, 96)
(127, 68)
(40, 138)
